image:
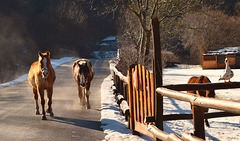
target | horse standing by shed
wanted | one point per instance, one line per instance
(41, 77)
(83, 74)
(205, 93)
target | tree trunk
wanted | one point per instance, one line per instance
(148, 40)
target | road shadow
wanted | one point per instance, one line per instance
(94, 125)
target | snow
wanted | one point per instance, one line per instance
(109, 38)
(227, 128)
(104, 54)
(224, 51)
(55, 63)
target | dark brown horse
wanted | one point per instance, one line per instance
(205, 93)
(41, 77)
(83, 74)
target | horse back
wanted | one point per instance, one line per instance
(32, 74)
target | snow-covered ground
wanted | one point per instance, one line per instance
(115, 126)
(226, 129)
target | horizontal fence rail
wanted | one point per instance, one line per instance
(172, 136)
(189, 116)
(225, 105)
(163, 135)
(206, 86)
(120, 75)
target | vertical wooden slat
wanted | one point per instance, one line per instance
(152, 93)
(125, 91)
(114, 79)
(121, 87)
(130, 100)
(144, 91)
(119, 84)
(134, 96)
(137, 93)
(141, 93)
(198, 122)
(149, 94)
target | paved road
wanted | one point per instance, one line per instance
(71, 121)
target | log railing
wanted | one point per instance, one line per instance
(121, 92)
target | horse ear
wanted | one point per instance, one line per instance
(39, 53)
(89, 64)
(48, 53)
(74, 64)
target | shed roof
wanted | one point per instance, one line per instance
(224, 51)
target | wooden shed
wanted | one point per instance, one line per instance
(215, 59)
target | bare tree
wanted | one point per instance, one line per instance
(144, 10)
(72, 11)
(209, 30)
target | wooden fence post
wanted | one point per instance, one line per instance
(157, 70)
(198, 121)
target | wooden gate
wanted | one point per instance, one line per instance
(141, 97)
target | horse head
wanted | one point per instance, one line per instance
(83, 72)
(44, 61)
(205, 79)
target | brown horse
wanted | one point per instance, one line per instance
(83, 74)
(41, 77)
(205, 93)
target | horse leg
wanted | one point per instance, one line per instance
(35, 94)
(206, 120)
(87, 96)
(49, 97)
(87, 99)
(80, 95)
(41, 93)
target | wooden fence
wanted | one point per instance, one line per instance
(144, 93)
(140, 97)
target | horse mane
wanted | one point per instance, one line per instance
(201, 78)
(89, 64)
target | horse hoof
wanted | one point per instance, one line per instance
(51, 114)
(37, 113)
(44, 118)
(88, 107)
